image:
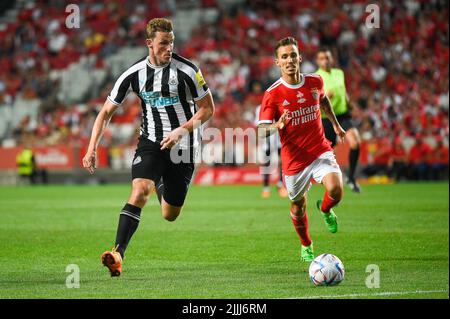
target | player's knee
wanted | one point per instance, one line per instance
(354, 140)
(171, 213)
(336, 192)
(298, 208)
(170, 216)
(141, 192)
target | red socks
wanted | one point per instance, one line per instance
(302, 228)
(328, 203)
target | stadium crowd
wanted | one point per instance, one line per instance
(396, 74)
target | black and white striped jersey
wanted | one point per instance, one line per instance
(167, 93)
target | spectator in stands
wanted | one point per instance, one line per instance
(439, 161)
(398, 161)
(418, 159)
(380, 159)
(398, 74)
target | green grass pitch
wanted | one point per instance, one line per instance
(228, 243)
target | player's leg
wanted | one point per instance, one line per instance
(173, 188)
(266, 166)
(281, 189)
(333, 195)
(326, 171)
(299, 218)
(266, 188)
(333, 191)
(33, 179)
(130, 215)
(145, 170)
(354, 140)
(297, 187)
(128, 223)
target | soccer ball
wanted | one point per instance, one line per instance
(326, 270)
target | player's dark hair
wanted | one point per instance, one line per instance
(283, 42)
(323, 50)
(158, 24)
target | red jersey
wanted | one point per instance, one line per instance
(419, 153)
(302, 139)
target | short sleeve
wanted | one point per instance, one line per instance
(320, 87)
(199, 89)
(121, 88)
(267, 111)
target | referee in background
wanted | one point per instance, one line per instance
(334, 84)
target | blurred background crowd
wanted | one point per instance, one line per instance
(397, 75)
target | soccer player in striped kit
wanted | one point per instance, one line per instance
(292, 106)
(175, 102)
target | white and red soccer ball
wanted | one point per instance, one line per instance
(326, 270)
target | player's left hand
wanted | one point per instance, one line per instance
(341, 133)
(173, 138)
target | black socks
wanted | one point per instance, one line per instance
(266, 178)
(128, 223)
(353, 162)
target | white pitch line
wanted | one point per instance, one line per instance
(387, 293)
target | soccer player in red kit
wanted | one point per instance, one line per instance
(292, 106)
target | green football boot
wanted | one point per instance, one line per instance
(329, 218)
(307, 254)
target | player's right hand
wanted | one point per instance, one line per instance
(89, 161)
(283, 120)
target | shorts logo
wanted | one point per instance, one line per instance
(137, 160)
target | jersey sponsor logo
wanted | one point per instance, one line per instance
(199, 77)
(154, 99)
(300, 97)
(304, 115)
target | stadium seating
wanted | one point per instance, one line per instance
(401, 86)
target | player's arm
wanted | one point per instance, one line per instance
(350, 104)
(267, 129)
(268, 123)
(100, 124)
(204, 113)
(325, 104)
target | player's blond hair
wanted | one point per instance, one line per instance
(158, 24)
(283, 42)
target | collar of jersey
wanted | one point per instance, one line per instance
(294, 86)
(155, 66)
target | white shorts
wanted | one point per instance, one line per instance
(297, 185)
